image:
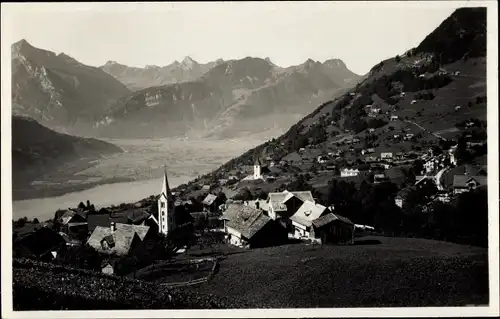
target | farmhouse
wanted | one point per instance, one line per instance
(303, 218)
(285, 204)
(249, 227)
(401, 196)
(465, 183)
(379, 178)
(210, 203)
(333, 229)
(119, 239)
(35, 240)
(349, 172)
(386, 156)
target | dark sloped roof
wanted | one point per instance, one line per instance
(245, 219)
(328, 218)
(209, 200)
(461, 181)
(98, 219)
(123, 237)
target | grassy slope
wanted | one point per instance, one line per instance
(396, 272)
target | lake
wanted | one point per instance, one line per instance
(142, 161)
(100, 196)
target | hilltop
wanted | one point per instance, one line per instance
(57, 90)
(38, 150)
(233, 98)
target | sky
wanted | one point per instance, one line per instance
(359, 33)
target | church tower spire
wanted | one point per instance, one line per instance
(165, 190)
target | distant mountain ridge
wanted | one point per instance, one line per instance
(226, 96)
(136, 78)
(57, 90)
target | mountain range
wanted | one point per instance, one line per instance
(435, 93)
(219, 98)
(250, 92)
(137, 79)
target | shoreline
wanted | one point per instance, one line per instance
(51, 191)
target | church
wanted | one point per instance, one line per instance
(166, 208)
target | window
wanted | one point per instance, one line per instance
(162, 204)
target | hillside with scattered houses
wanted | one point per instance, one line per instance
(370, 192)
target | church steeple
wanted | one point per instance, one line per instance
(165, 190)
(166, 207)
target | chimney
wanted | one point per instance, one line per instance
(113, 226)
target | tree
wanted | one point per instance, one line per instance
(35, 221)
(398, 59)
(461, 153)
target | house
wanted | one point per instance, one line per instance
(370, 159)
(386, 156)
(210, 203)
(371, 130)
(35, 241)
(136, 216)
(322, 159)
(394, 118)
(70, 241)
(281, 206)
(465, 183)
(119, 239)
(375, 110)
(349, 172)
(303, 218)
(409, 136)
(368, 151)
(99, 218)
(379, 178)
(333, 229)
(457, 108)
(258, 204)
(413, 102)
(249, 227)
(71, 216)
(401, 196)
(74, 224)
(108, 267)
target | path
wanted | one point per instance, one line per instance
(424, 129)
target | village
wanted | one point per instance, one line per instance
(168, 225)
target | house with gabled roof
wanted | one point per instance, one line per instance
(249, 227)
(303, 218)
(333, 229)
(119, 239)
(284, 204)
(210, 202)
(465, 183)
